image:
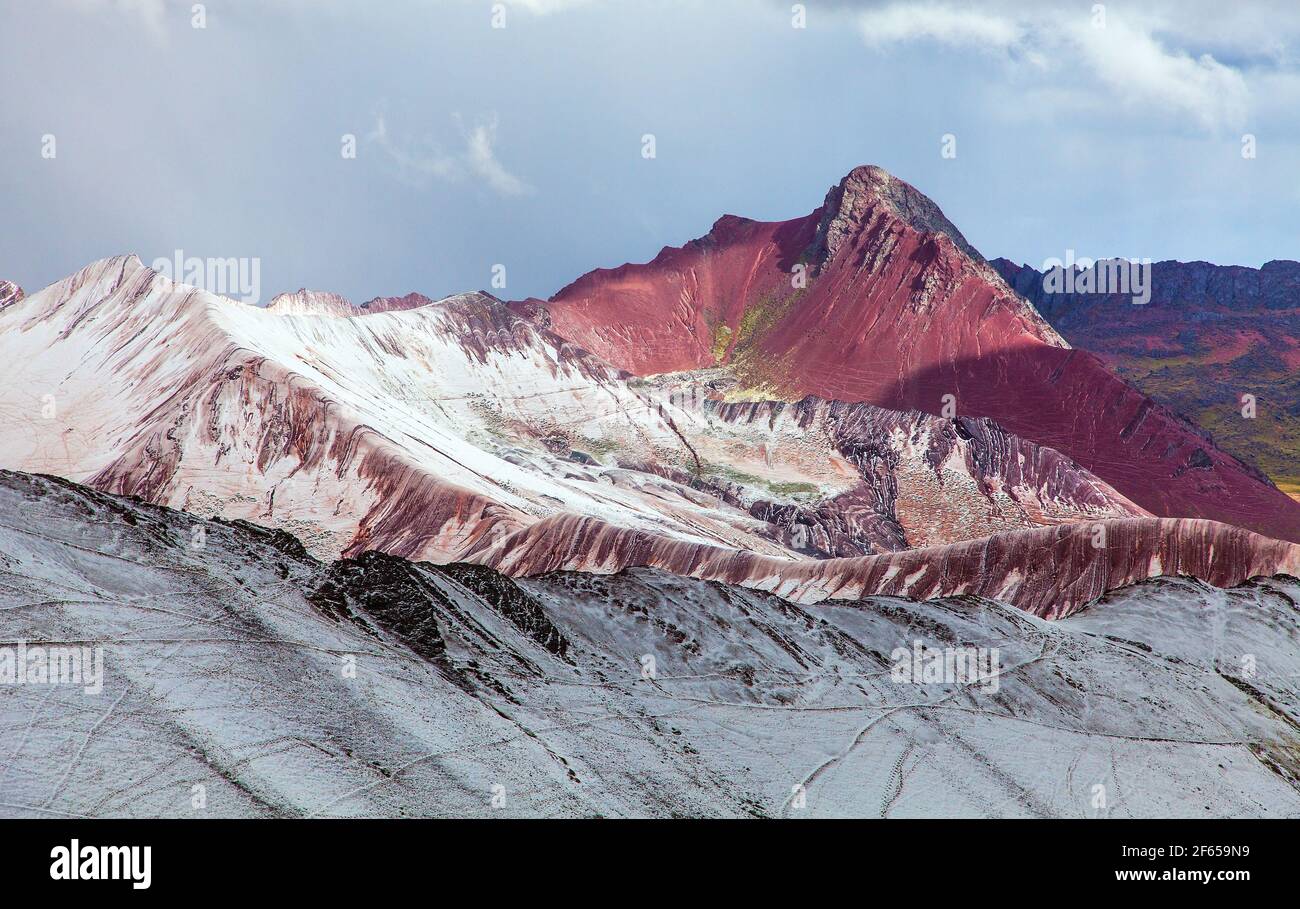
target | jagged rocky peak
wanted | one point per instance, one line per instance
(10, 293)
(850, 203)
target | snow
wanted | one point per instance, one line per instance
(221, 674)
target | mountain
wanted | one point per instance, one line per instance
(876, 297)
(390, 304)
(1209, 335)
(241, 677)
(461, 431)
(304, 302)
(397, 430)
(317, 302)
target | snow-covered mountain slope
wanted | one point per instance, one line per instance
(916, 480)
(304, 302)
(420, 432)
(241, 677)
(444, 430)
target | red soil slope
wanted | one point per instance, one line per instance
(900, 311)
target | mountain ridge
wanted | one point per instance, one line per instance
(443, 432)
(509, 433)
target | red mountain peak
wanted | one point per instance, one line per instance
(877, 297)
(867, 192)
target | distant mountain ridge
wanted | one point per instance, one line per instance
(1210, 335)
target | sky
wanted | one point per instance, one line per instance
(514, 134)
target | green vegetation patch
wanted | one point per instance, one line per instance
(721, 341)
(803, 491)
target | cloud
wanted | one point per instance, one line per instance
(419, 164)
(1138, 68)
(1126, 57)
(483, 162)
(414, 165)
(948, 25)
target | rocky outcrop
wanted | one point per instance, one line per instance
(10, 293)
(855, 201)
(922, 480)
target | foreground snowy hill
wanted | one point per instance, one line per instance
(228, 688)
